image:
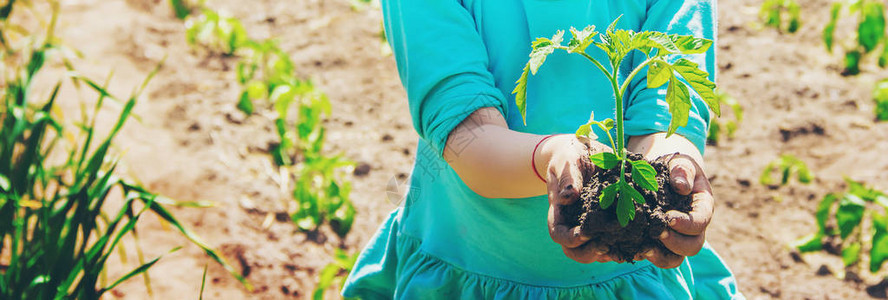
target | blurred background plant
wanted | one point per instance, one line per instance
(870, 33)
(784, 15)
(849, 224)
(725, 125)
(56, 177)
(787, 165)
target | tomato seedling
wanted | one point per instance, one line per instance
(335, 273)
(730, 125)
(772, 13)
(617, 44)
(786, 165)
(841, 226)
(216, 32)
(870, 32)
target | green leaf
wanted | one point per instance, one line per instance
(830, 29)
(608, 194)
(858, 189)
(581, 39)
(699, 81)
(245, 104)
(879, 250)
(633, 194)
(851, 254)
(605, 160)
(203, 283)
(520, 93)
(852, 62)
(766, 178)
(714, 129)
(644, 175)
(4, 183)
(585, 130)
(659, 73)
(849, 214)
(626, 205)
(810, 243)
(795, 17)
(823, 212)
(883, 58)
(880, 96)
(679, 101)
(688, 44)
(803, 173)
(871, 30)
(180, 8)
(625, 211)
(141, 269)
(542, 47)
(606, 125)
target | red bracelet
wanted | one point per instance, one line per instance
(533, 157)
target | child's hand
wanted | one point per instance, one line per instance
(568, 164)
(687, 231)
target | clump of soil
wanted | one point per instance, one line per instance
(641, 234)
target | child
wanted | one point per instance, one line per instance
(481, 219)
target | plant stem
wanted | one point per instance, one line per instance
(618, 96)
(632, 75)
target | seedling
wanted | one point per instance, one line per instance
(217, 33)
(335, 273)
(772, 13)
(880, 96)
(730, 125)
(268, 78)
(870, 32)
(841, 222)
(658, 49)
(786, 165)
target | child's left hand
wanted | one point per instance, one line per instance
(686, 233)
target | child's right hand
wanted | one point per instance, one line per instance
(568, 163)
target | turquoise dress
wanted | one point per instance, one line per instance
(447, 242)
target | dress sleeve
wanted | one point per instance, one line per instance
(443, 65)
(647, 111)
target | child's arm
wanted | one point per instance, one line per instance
(496, 164)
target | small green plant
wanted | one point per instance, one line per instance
(772, 13)
(786, 165)
(184, 8)
(871, 32)
(880, 96)
(55, 234)
(335, 273)
(267, 76)
(842, 225)
(617, 44)
(729, 126)
(215, 32)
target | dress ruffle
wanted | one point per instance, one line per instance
(393, 266)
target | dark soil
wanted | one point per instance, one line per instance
(641, 234)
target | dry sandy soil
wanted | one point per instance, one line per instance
(192, 144)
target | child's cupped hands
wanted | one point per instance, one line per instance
(569, 164)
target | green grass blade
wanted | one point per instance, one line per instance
(141, 269)
(164, 214)
(203, 283)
